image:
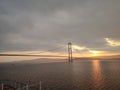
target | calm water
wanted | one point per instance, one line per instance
(82, 75)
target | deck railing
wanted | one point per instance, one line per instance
(13, 85)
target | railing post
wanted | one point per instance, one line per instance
(27, 87)
(15, 85)
(19, 86)
(2, 86)
(40, 86)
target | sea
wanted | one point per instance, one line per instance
(64, 75)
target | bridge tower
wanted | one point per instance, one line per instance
(70, 52)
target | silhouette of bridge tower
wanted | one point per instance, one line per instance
(70, 52)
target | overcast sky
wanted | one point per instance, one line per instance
(45, 24)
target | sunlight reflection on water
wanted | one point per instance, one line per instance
(97, 74)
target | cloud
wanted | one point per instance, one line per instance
(44, 24)
(78, 48)
(113, 43)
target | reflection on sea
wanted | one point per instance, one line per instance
(98, 78)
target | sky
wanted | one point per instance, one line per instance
(34, 26)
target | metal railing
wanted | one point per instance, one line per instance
(13, 85)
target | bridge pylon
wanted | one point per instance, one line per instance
(70, 52)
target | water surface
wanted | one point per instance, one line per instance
(79, 75)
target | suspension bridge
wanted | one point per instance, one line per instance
(41, 54)
(13, 85)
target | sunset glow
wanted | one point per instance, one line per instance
(112, 42)
(76, 47)
(95, 53)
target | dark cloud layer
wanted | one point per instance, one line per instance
(44, 24)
